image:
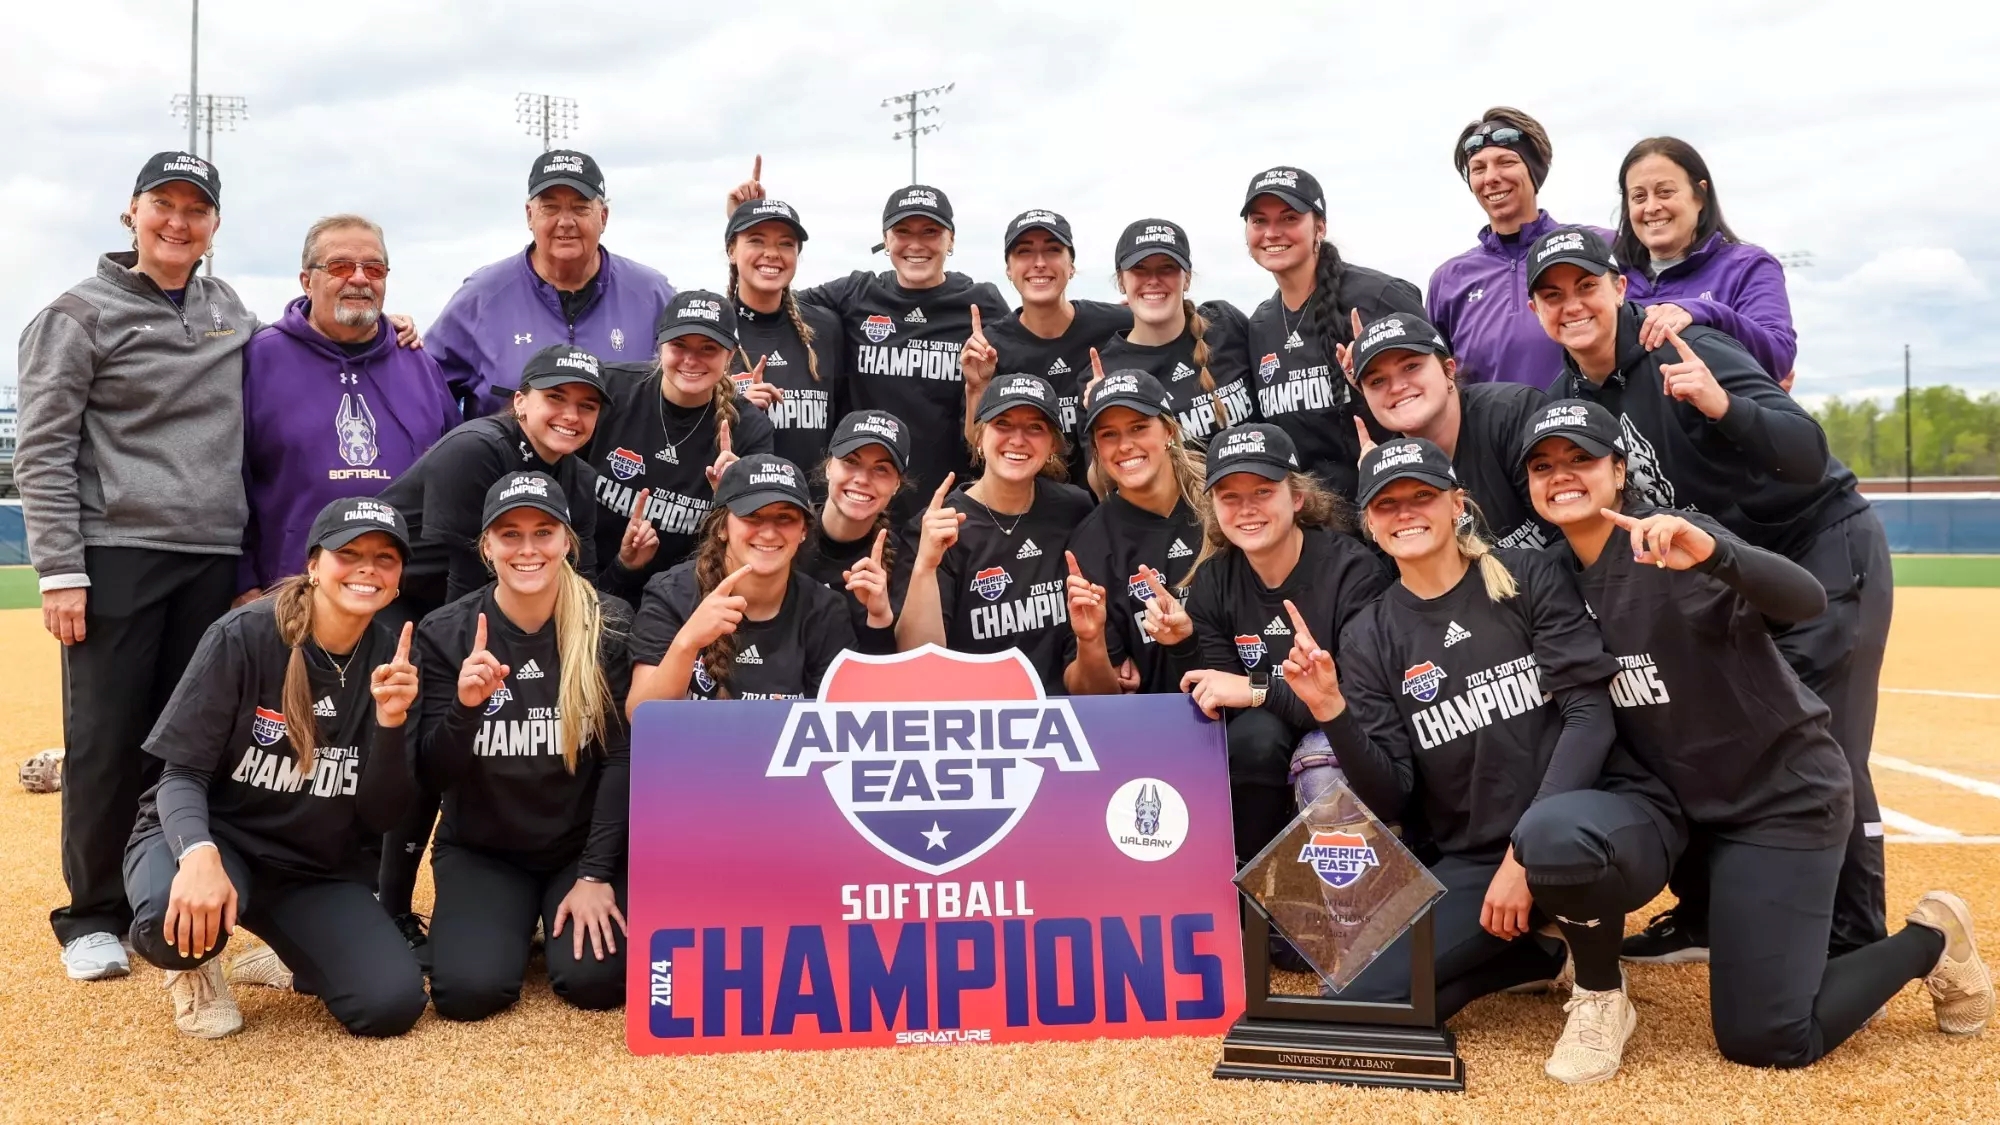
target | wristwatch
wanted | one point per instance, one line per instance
(1260, 686)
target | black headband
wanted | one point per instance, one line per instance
(1524, 147)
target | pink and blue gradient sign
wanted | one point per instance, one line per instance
(932, 852)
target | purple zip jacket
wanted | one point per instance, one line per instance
(319, 425)
(1732, 287)
(1479, 300)
(505, 313)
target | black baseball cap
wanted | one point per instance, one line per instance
(1039, 219)
(1587, 424)
(1253, 447)
(759, 479)
(165, 167)
(1130, 388)
(1397, 332)
(558, 364)
(917, 199)
(562, 167)
(343, 521)
(873, 427)
(1006, 392)
(1403, 459)
(1295, 186)
(524, 490)
(695, 312)
(1575, 246)
(1148, 237)
(754, 211)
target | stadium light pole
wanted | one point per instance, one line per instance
(194, 67)
(206, 112)
(912, 113)
(1909, 446)
(546, 115)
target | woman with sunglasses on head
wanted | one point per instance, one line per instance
(738, 621)
(672, 428)
(905, 327)
(1294, 335)
(1685, 265)
(1273, 534)
(286, 756)
(990, 572)
(789, 355)
(524, 733)
(854, 546)
(1130, 557)
(1198, 353)
(1051, 334)
(1472, 699)
(1479, 300)
(1706, 429)
(1707, 702)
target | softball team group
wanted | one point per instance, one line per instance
(1545, 562)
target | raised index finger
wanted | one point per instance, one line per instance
(403, 643)
(757, 372)
(1070, 558)
(976, 329)
(479, 635)
(638, 512)
(1155, 581)
(1096, 365)
(944, 490)
(881, 541)
(757, 169)
(722, 438)
(1680, 346)
(728, 584)
(1299, 629)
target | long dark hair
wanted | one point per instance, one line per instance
(711, 566)
(1632, 253)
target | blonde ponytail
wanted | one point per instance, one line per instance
(1500, 584)
(583, 698)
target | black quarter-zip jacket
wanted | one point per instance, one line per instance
(1173, 365)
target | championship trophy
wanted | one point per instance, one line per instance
(1341, 888)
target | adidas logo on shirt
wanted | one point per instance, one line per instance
(1181, 371)
(776, 360)
(1277, 627)
(324, 708)
(916, 317)
(1028, 551)
(1293, 341)
(1455, 633)
(1179, 550)
(749, 656)
(528, 671)
(1058, 368)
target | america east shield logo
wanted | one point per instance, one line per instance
(1250, 647)
(1267, 367)
(877, 328)
(1139, 588)
(1340, 859)
(501, 696)
(1422, 680)
(267, 726)
(624, 463)
(931, 785)
(991, 582)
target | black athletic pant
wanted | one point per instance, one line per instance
(1839, 656)
(145, 612)
(1775, 999)
(1260, 791)
(403, 846)
(482, 928)
(332, 934)
(1592, 857)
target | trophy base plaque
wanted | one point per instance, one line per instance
(1409, 1058)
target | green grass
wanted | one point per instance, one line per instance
(1947, 570)
(18, 588)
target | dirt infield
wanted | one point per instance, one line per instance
(109, 1051)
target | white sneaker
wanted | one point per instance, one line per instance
(1961, 989)
(260, 966)
(97, 956)
(1593, 1041)
(203, 1007)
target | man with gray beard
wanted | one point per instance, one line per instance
(332, 407)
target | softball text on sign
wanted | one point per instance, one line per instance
(931, 853)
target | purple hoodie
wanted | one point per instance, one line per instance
(1732, 287)
(505, 313)
(1479, 300)
(319, 425)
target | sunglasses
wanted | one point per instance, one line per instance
(347, 267)
(1502, 135)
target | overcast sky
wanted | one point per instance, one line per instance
(1863, 133)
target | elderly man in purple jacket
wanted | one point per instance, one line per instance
(563, 289)
(332, 407)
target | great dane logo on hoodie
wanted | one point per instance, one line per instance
(354, 428)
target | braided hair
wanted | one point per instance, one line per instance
(1198, 328)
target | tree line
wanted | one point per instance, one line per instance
(1952, 433)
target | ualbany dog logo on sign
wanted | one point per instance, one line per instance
(1340, 859)
(932, 786)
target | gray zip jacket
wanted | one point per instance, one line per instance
(131, 421)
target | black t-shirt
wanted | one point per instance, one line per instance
(803, 421)
(782, 658)
(1240, 624)
(1173, 365)
(645, 442)
(1063, 361)
(1455, 693)
(902, 357)
(1706, 701)
(226, 718)
(1110, 545)
(443, 496)
(1301, 389)
(1002, 585)
(500, 766)
(826, 561)
(1492, 419)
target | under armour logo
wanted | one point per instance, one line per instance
(350, 379)
(1475, 294)
(524, 337)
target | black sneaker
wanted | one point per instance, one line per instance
(1665, 941)
(412, 928)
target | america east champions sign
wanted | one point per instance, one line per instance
(933, 852)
